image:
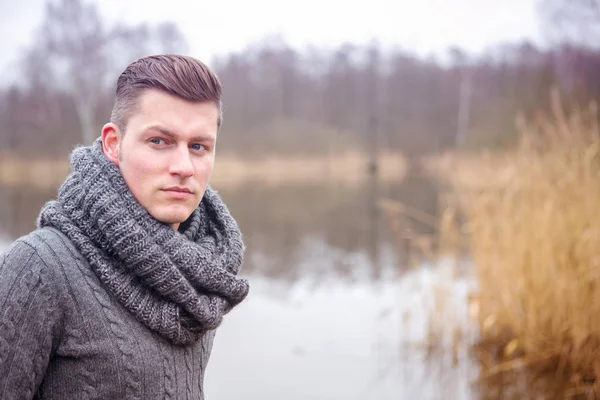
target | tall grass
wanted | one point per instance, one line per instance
(532, 231)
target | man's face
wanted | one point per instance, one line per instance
(167, 153)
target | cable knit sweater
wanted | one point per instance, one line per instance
(62, 336)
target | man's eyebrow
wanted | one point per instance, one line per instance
(175, 136)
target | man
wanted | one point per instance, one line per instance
(119, 291)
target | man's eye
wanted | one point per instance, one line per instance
(198, 147)
(156, 140)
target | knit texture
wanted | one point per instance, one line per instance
(63, 336)
(178, 284)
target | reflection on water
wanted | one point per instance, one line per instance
(19, 208)
(330, 339)
(333, 313)
(280, 223)
(291, 229)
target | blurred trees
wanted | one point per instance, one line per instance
(391, 97)
(571, 21)
(69, 75)
(278, 99)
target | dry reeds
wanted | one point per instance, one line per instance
(533, 235)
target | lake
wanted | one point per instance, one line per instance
(335, 310)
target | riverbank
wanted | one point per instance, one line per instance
(350, 168)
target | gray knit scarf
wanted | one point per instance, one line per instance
(179, 284)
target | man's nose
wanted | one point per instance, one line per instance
(182, 164)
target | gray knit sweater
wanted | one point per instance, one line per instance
(102, 301)
(62, 336)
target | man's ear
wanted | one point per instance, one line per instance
(111, 137)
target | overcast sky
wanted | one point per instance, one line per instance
(218, 26)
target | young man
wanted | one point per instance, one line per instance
(119, 291)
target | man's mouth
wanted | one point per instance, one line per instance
(178, 189)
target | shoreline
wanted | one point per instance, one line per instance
(231, 171)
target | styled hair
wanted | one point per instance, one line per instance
(181, 76)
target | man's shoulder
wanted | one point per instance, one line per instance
(42, 246)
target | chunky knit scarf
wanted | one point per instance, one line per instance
(179, 284)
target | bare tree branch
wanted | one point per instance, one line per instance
(82, 55)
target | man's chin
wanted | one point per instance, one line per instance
(171, 217)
